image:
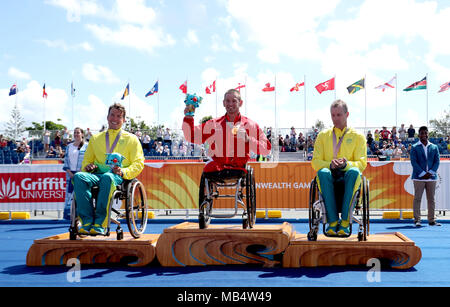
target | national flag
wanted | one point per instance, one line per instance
(419, 85)
(239, 87)
(211, 89)
(325, 86)
(387, 85)
(44, 93)
(183, 87)
(268, 88)
(126, 92)
(72, 90)
(358, 85)
(154, 90)
(297, 86)
(13, 90)
(444, 87)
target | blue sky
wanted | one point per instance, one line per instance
(103, 45)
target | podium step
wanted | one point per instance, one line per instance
(57, 250)
(187, 245)
(267, 245)
(399, 250)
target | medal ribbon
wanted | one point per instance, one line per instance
(110, 149)
(336, 147)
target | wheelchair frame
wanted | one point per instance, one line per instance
(209, 191)
(129, 190)
(317, 211)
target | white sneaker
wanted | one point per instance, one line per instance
(417, 224)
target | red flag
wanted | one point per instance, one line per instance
(44, 93)
(268, 88)
(325, 86)
(297, 87)
(239, 87)
(211, 89)
(183, 87)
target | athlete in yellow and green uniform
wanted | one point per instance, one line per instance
(340, 154)
(96, 173)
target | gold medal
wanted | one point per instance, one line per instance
(235, 129)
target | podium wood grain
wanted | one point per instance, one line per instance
(57, 250)
(395, 247)
(187, 245)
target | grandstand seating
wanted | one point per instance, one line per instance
(9, 155)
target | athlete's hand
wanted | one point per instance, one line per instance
(90, 167)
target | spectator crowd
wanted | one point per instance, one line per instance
(386, 144)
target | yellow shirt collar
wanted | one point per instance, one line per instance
(339, 132)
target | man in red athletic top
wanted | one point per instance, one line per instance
(231, 137)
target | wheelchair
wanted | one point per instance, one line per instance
(135, 213)
(244, 184)
(359, 204)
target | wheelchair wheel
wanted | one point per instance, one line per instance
(136, 208)
(205, 204)
(250, 199)
(314, 211)
(366, 202)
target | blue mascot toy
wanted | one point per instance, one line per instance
(193, 102)
(114, 159)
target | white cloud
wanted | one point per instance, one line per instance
(282, 27)
(191, 38)
(91, 115)
(66, 47)
(77, 8)
(17, 74)
(134, 12)
(136, 22)
(140, 38)
(98, 73)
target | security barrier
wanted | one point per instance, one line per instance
(283, 185)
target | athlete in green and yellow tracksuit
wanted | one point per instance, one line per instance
(340, 154)
(96, 173)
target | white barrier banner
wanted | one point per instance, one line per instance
(32, 187)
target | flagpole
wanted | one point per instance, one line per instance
(427, 98)
(43, 99)
(129, 101)
(246, 101)
(365, 104)
(158, 100)
(17, 94)
(396, 102)
(304, 94)
(71, 94)
(216, 97)
(335, 97)
(276, 126)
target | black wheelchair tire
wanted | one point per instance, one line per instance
(136, 224)
(203, 217)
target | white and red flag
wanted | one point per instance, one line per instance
(387, 85)
(325, 86)
(297, 86)
(211, 89)
(183, 87)
(444, 87)
(239, 87)
(268, 88)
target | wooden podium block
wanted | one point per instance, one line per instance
(395, 247)
(57, 250)
(187, 245)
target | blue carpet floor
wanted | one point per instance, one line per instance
(16, 238)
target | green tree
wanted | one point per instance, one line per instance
(16, 125)
(37, 129)
(441, 126)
